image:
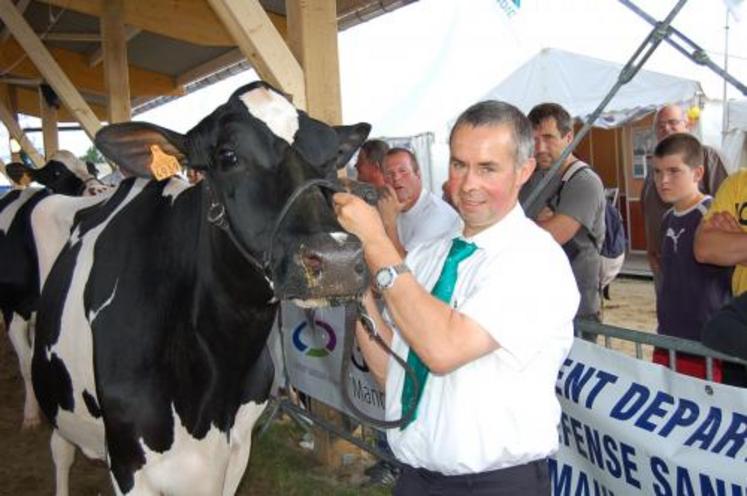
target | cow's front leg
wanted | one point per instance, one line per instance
(20, 333)
(63, 454)
(241, 444)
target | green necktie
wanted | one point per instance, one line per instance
(443, 289)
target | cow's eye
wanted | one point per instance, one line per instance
(227, 158)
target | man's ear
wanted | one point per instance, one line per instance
(526, 170)
(698, 173)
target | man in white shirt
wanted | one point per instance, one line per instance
(411, 215)
(487, 415)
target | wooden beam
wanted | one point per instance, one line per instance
(15, 131)
(262, 45)
(21, 5)
(50, 135)
(48, 67)
(211, 66)
(21, 81)
(76, 37)
(117, 78)
(28, 104)
(98, 55)
(312, 36)
(85, 77)
(186, 20)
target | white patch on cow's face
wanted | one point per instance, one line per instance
(208, 466)
(73, 164)
(274, 110)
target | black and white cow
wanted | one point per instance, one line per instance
(63, 174)
(150, 347)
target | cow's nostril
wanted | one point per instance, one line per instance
(312, 261)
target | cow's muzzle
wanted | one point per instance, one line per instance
(326, 269)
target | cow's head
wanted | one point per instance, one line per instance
(256, 151)
(63, 174)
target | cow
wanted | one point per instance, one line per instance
(63, 174)
(150, 345)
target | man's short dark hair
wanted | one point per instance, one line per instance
(684, 144)
(413, 159)
(497, 113)
(543, 111)
(375, 151)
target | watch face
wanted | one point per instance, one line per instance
(384, 278)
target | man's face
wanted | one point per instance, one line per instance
(670, 120)
(483, 180)
(549, 143)
(368, 171)
(399, 174)
(675, 180)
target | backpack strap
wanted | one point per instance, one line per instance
(575, 167)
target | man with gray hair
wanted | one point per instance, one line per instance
(671, 119)
(461, 309)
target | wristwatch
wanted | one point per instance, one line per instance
(385, 276)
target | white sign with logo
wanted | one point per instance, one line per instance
(314, 357)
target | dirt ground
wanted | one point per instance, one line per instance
(27, 469)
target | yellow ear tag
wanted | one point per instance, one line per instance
(163, 165)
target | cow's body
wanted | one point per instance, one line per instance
(154, 357)
(19, 278)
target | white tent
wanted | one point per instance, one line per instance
(734, 145)
(579, 83)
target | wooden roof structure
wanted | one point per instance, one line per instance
(96, 60)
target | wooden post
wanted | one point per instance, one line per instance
(312, 36)
(116, 70)
(48, 67)
(262, 44)
(50, 135)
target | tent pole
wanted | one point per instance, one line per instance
(688, 47)
(549, 184)
(725, 110)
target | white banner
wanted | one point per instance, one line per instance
(631, 427)
(314, 358)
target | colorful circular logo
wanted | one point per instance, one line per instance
(308, 350)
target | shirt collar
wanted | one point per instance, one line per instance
(501, 232)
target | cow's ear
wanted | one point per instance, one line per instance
(351, 138)
(129, 145)
(16, 171)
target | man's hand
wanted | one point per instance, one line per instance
(358, 217)
(722, 221)
(389, 206)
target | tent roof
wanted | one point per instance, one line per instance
(579, 83)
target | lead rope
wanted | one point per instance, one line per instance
(358, 310)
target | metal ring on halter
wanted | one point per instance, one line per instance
(216, 213)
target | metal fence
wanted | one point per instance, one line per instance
(643, 342)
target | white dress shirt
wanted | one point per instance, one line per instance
(499, 410)
(430, 218)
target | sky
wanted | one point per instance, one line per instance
(413, 70)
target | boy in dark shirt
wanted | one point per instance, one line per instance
(691, 292)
